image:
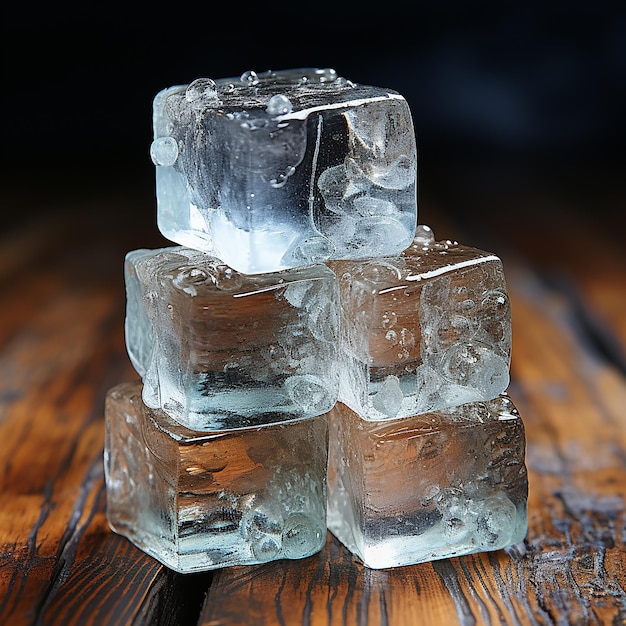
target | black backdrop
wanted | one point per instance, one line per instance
(500, 92)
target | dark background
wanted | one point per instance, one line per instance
(505, 97)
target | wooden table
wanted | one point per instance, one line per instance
(62, 348)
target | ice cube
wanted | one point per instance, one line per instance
(198, 501)
(218, 349)
(424, 330)
(285, 168)
(430, 486)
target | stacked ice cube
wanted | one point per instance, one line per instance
(302, 300)
(427, 452)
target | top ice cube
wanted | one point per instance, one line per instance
(282, 169)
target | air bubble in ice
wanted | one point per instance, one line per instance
(308, 392)
(380, 272)
(374, 233)
(266, 548)
(495, 304)
(463, 361)
(369, 206)
(338, 190)
(389, 399)
(263, 528)
(295, 292)
(316, 249)
(281, 179)
(301, 536)
(188, 278)
(496, 522)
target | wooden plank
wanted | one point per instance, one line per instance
(328, 588)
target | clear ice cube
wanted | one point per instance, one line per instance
(430, 486)
(198, 501)
(285, 168)
(424, 330)
(217, 349)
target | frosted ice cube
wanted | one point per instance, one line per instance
(424, 330)
(281, 169)
(198, 501)
(430, 486)
(218, 349)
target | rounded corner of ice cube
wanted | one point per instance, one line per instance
(132, 257)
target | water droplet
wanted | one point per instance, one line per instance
(226, 278)
(201, 90)
(424, 235)
(164, 151)
(326, 75)
(343, 82)
(249, 78)
(279, 105)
